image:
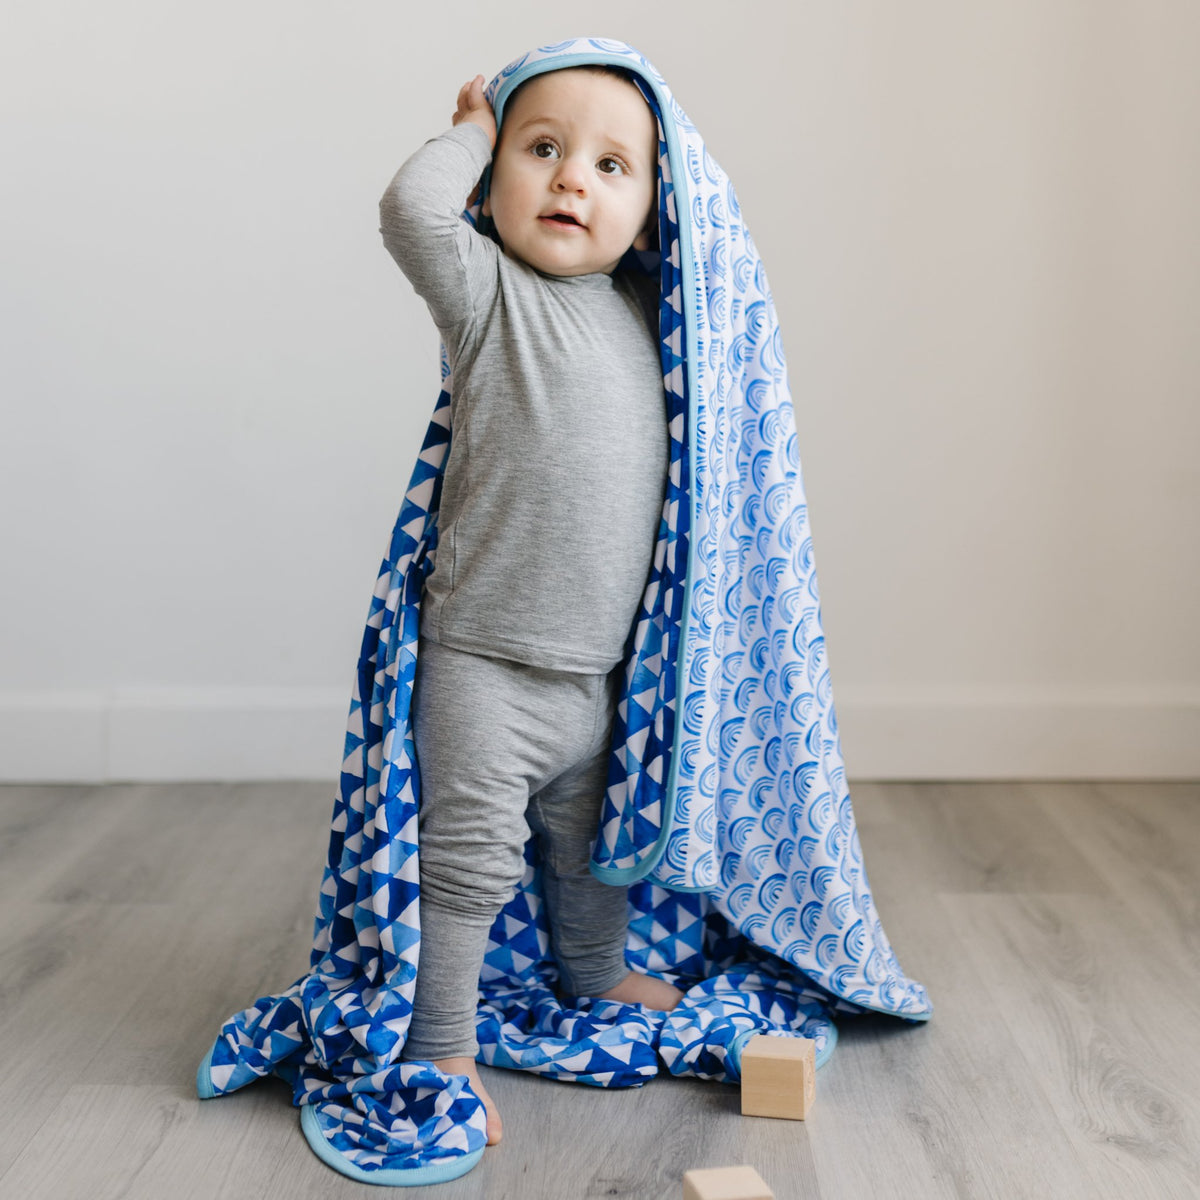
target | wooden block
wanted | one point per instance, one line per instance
(778, 1077)
(725, 1183)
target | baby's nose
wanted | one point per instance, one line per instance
(571, 175)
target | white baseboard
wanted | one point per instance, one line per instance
(1020, 732)
(174, 734)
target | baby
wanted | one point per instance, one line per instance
(549, 514)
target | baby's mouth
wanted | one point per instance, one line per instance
(567, 220)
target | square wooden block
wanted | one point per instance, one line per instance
(725, 1183)
(778, 1077)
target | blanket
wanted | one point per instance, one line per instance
(726, 812)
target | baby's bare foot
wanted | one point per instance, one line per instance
(467, 1067)
(644, 989)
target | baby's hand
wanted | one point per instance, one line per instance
(474, 107)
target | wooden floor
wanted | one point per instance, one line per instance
(1056, 926)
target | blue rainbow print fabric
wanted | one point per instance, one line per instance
(726, 810)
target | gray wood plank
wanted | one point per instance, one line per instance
(1110, 1037)
(974, 837)
(147, 1142)
(62, 993)
(1144, 839)
(43, 827)
(255, 844)
(946, 1109)
(1055, 925)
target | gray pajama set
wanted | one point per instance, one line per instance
(550, 509)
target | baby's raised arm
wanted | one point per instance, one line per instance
(451, 267)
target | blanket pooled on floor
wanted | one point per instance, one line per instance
(726, 813)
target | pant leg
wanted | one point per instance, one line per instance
(488, 732)
(588, 919)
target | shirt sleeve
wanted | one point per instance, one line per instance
(451, 266)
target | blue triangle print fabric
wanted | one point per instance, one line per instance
(726, 812)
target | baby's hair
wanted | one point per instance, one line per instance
(592, 68)
(609, 69)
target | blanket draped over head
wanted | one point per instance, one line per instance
(726, 811)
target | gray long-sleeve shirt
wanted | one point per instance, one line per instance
(558, 451)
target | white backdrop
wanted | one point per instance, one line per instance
(980, 228)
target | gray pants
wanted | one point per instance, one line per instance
(505, 749)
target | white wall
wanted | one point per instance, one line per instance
(980, 227)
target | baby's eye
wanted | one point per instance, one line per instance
(611, 166)
(549, 148)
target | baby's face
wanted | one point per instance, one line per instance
(574, 142)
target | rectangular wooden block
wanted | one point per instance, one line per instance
(778, 1077)
(725, 1183)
